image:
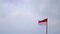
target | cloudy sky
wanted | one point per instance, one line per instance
(21, 16)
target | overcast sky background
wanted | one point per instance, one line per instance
(21, 16)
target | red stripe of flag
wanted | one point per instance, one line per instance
(43, 21)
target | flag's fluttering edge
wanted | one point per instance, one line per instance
(43, 21)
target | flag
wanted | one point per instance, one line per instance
(43, 21)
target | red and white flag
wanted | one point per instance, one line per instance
(44, 21)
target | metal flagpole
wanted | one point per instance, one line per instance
(47, 27)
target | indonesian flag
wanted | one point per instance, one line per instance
(44, 21)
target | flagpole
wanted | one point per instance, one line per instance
(47, 28)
